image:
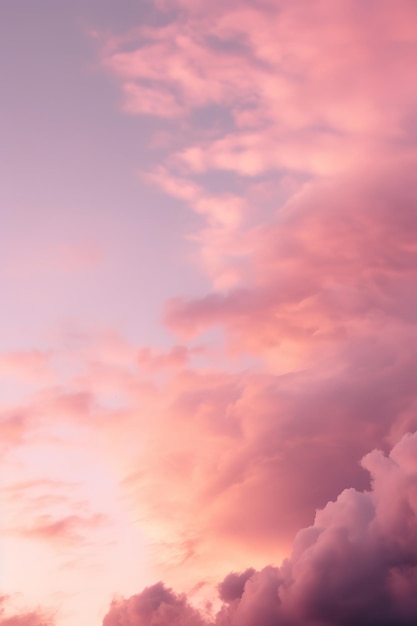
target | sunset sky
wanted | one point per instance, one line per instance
(208, 337)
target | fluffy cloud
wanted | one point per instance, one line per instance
(250, 456)
(336, 263)
(155, 605)
(298, 82)
(356, 564)
(292, 137)
(321, 94)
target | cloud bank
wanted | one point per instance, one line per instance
(288, 129)
(357, 564)
(290, 132)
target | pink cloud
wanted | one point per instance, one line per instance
(223, 210)
(149, 101)
(319, 92)
(335, 264)
(223, 216)
(156, 604)
(328, 289)
(300, 83)
(356, 564)
(66, 530)
(289, 131)
(33, 367)
(226, 440)
(12, 428)
(22, 618)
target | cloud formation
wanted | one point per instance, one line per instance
(356, 564)
(287, 129)
(293, 138)
(24, 618)
(155, 605)
(335, 264)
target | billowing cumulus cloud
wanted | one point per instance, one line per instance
(232, 587)
(250, 456)
(357, 564)
(155, 605)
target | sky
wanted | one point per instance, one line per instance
(208, 329)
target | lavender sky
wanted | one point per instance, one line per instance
(208, 269)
